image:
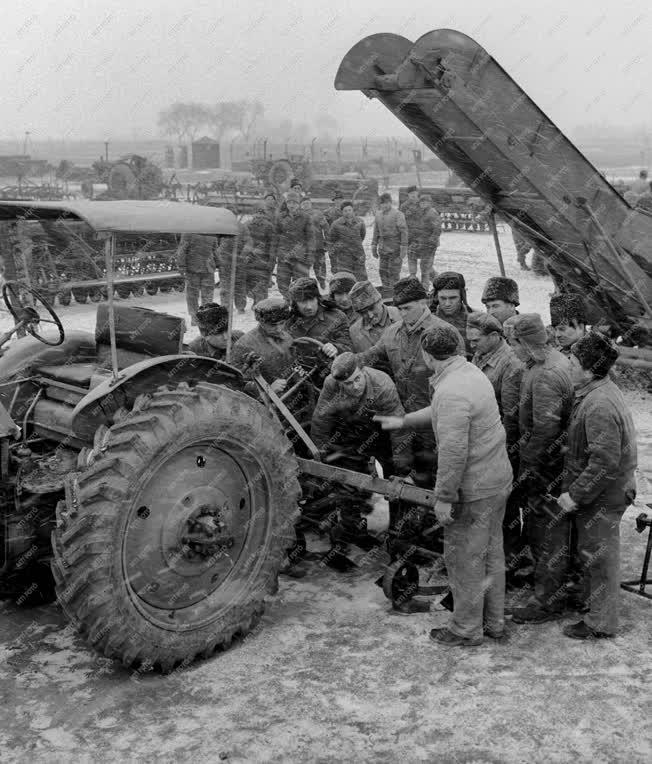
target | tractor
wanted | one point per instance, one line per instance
(162, 495)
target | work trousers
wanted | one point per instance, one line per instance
(512, 538)
(598, 545)
(424, 256)
(240, 292)
(352, 263)
(199, 285)
(288, 271)
(389, 267)
(473, 553)
(258, 283)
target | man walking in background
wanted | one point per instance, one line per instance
(320, 232)
(423, 239)
(294, 244)
(346, 238)
(196, 261)
(389, 243)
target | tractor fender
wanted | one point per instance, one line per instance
(143, 378)
(27, 353)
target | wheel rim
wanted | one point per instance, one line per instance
(173, 581)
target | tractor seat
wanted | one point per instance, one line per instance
(78, 374)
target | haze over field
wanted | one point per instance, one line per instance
(75, 69)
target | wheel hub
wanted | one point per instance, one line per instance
(188, 527)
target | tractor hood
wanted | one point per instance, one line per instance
(129, 216)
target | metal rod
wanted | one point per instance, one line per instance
(619, 258)
(229, 331)
(494, 233)
(109, 250)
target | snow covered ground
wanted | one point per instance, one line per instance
(331, 674)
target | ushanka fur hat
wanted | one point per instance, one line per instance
(409, 289)
(363, 295)
(501, 288)
(565, 308)
(304, 288)
(596, 353)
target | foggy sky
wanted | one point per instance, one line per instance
(100, 70)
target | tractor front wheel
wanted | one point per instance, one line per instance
(172, 536)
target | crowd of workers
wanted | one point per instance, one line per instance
(518, 428)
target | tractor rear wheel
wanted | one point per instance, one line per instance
(168, 542)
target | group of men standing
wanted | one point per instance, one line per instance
(518, 429)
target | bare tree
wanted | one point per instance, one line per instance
(250, 113)
(224, 116)
(183, 120)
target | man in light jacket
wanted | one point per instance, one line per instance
(474, 477)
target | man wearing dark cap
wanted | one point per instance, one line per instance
(312, 317)
(599, 481)
(500, 297)
(373, 317)
(496, 359)
(294, 250)
(260, 264)
(269, 342)
(320, 229)
(346, 237)
(424, 239)
(400, 347)
(389, 242)
(213, 323)
(473, 479)
(449, 296)
(544, 412)
(338, 289)
(568, 319)
(196, 261)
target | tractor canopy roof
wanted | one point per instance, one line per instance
(128, 216)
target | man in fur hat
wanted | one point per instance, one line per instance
(423, 239)
(269, 342)
(568, 319)
(599, 481)
(294, 250)
(399, 347)
(213, 323)
(545, 406)
(389, 242)
(449, 302)
(317, 318)
(338, 288)
(373, 316)
(500, 297)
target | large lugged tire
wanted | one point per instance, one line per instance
(168, 542)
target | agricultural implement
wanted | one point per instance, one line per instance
(462, 104)
(161, 495)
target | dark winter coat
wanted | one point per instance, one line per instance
(277, 355)
(196, 253)
(295, 238)
(340, 420)
(201, 346)
(346, 238)
(400, 348)
(365, 335)
(261, 229)
(546, 399)
(601, 459)
(328, 325)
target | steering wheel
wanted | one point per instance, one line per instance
(22, 302)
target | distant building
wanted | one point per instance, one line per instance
(205, 154)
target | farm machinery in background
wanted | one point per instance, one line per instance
(465, 108)
(241, 194)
